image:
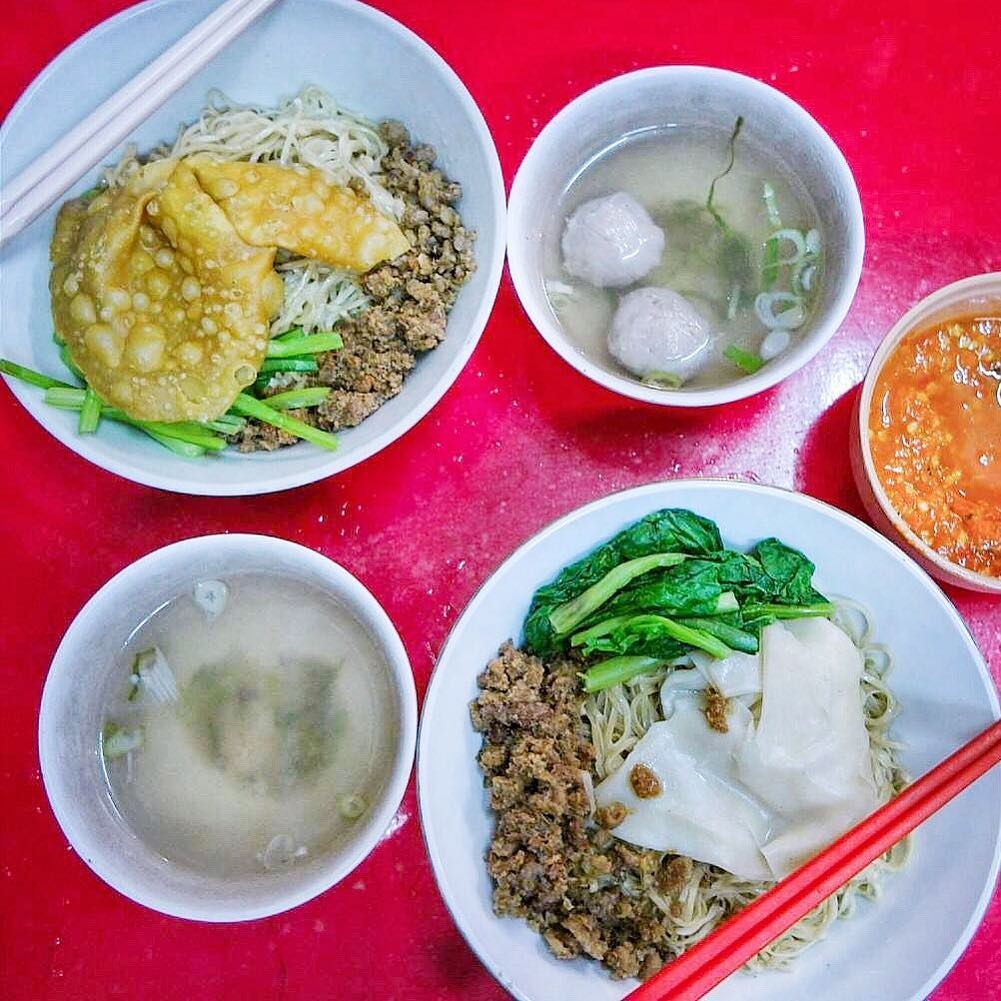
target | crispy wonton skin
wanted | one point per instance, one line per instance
(163, 307)
(296, 208)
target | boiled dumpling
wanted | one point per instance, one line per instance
(611, 242)
(657, 333)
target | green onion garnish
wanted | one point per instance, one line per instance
(289, 345)
(744, 360)
(249, 406)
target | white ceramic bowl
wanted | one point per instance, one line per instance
(981, 292)
(370, 63)
(687, 95)
(896, 949)
(70, 719)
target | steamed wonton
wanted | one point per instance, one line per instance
(163, 306)
(297, 208)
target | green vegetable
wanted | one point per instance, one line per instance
(227, 424)
(271, 364)
(744, 360)
(663, 380)
(30, 376)
(663, 586)
(117, 741)
(770, 265)
(295, 399)
(564, 618)
(734, 638)
(771, 206)
(191, 432)
(737, 126)
(659, 636)
(615, 670)
(670, 530)
(297, 343)
(249, 406)
(90, 412)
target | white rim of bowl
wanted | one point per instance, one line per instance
(398, 664)
(337, 463)
(437, 681)
(776, 370)
(909, 322)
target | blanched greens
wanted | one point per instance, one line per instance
(666, 585)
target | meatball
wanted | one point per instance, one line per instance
(655, 330)
(611, 242)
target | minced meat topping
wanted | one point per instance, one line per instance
(550, 863)
(410, 298)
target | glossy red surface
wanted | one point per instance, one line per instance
(908, 90)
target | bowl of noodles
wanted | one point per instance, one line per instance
(668, 700)
(282, 270)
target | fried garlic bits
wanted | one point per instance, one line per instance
(296, 208)
(163, 306)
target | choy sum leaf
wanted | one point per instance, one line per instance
(671, 530)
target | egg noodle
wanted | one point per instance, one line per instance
(311, 130)
(620, 715)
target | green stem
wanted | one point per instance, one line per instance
(733, 637)
(698, 638)
(600, 629)
(295, 399)
(822, 609)
(615, 670)
(287, 365)
(30, 376)
(737, 126)
(288, 345)
(569, 615)
(248, 406)
(90, 412)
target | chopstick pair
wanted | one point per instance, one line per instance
(693, 974)
(49, 177)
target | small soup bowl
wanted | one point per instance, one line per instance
(687, 95)
(70, 720)
(958, 299)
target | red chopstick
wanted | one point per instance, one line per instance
(697, 971)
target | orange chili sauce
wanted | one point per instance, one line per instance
(935, 433)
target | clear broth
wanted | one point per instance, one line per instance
(286, 711)
(666, 169)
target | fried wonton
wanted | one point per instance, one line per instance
(163, 306)
(296, 208)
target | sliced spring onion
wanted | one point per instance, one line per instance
(287, 365)
(812, 240)
(288, 346)
(117, 741)
(90, 412)
(775, 342)
(294, 399)
(771, 206)
(663, 380)
(770, 264)
(248, 406)
(797, 239)
(211, 596)
(30, 376)
(183, 448)
(616, 670)
(744, 360)
(155, 675)
(779, 310)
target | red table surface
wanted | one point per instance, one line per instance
(911, 98)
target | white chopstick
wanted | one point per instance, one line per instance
(52, 174)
